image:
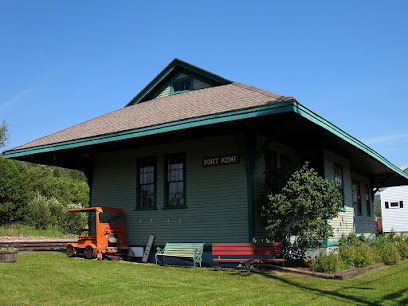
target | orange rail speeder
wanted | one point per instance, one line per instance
(106, 234)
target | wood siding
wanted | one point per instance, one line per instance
(198, 83)
(344, 224)
(216, 196)
(395, 218)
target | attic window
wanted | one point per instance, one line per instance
(180, 86)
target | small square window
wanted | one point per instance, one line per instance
(180, 86)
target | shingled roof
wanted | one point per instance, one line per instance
(220, 101)
(192, 104)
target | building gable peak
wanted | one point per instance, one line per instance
(178, 77)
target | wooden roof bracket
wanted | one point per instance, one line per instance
(382, 182)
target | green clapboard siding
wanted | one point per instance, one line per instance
(344, 223)
(197, 82)
(216, 196)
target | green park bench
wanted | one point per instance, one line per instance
(181, 250)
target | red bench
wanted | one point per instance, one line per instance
(247, 252)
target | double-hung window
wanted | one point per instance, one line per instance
(147, 177)
(338, 179)
(357, 198)
(175, 181)
(367, 198)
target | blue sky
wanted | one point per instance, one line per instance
(64, 62)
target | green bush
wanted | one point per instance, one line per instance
(38, 212)
(390, 253)
(358, 254)
(72, 222)
(21, 182)
(43, 213)
(326, 263)
(301, 208)
(402, 245)
(352, 238)
(358, 251)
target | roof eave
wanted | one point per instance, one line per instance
(156, 129)
(289, 106)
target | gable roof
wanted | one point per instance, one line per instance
(153, 113)
(225, 102)
(171, 68)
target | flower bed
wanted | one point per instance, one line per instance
(359, 252)
(8, 255)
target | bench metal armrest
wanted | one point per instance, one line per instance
(159, 251)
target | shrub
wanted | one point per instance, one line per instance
(8, 249)
(358, 254)
(326, 263)
(402, 245)
(351, 238)
(301, 209)
(72, 222)
(38, 212)
(390, 253)
(43, 212)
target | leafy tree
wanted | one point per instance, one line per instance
(43, 212)
(24, 185)
(39, 195)
(65, 189)
(3, 134)
(301, 211)
(14, 190)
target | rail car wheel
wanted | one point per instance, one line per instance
(89, 252)
(70, 251)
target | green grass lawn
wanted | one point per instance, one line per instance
(53, 278)
(26, 230)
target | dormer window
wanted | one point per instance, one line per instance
(181, 86)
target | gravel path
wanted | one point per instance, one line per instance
(21, 238)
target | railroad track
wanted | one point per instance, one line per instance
(36, 245)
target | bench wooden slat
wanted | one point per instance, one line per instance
(255, 250)
(249, 260)
(249, 244)
(172, 249)
(216, 247)
(247, 252)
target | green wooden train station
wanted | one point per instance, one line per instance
(186, 158)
